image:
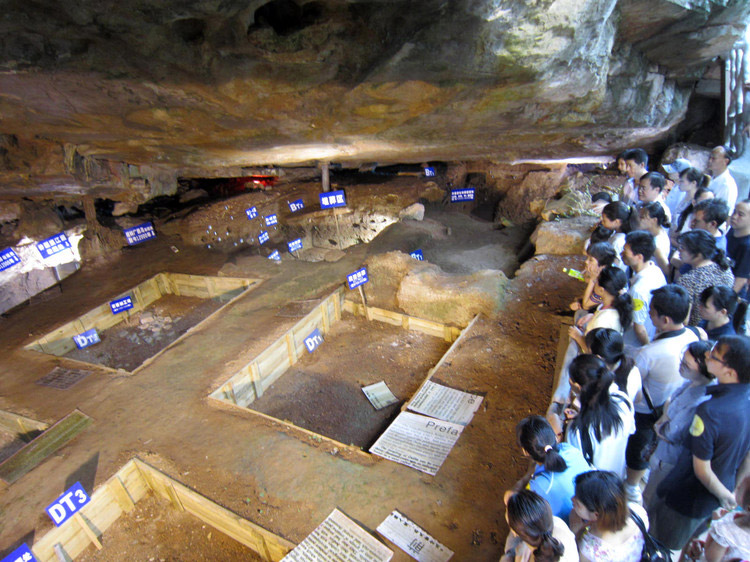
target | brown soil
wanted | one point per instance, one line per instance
(141, 336)
(155, 531)
(9, 444)
(323, 391)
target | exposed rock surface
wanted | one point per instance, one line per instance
(122, 97)
(564, 236)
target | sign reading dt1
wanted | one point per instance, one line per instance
(53, 245)
(263, 237)
(251, 213)
(275, 256)
(458, 195)
(297, 205)
(271, 220)
(8, 258)
(295, 245)
(87, 338)
(139, 233)
(429, 172)
(417, 255)
(332, 199)
(357, 278)
(120, 305)
(64, 507)
(313, 340)
(21, 554)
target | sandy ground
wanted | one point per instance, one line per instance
(284, 481)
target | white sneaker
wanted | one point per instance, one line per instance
(634, 494)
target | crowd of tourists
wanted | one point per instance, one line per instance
(646, 444)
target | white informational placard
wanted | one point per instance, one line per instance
(339, 539)
(379, 395)
(445, 403)
(418, 442)
(412, 539)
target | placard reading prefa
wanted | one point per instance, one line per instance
(339, 539)
(412, 539)
(379, 395)
(418, 442)
(445, 403)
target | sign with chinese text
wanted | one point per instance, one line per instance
(139, 233)
(120, 305)
(332, 199)
(21, 554)
(53, 245)
(458, 195)
(275, 256)
(8, 258)
(357, 278)
(251, 213)
(271, 220)
(295, 245)
(263, 237)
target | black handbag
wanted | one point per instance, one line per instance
(653, 550)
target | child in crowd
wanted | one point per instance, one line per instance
(719, 455)
(621, 219)
(608, 344)
(722, 312)
(537, 535)
(659, 364)
(653, 220)
(738, 247)
(599, 256)
(672, 426)
(709, 267)
(605, 421)
(555, 464)
(605, 529)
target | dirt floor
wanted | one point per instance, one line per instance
(9, 444)
(323, 391)
(156, 531)
(283, 481)
(141, 336)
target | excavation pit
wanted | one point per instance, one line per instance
(320, 392)
(164, 309)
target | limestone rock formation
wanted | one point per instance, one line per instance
(564, 236)
(120, 98)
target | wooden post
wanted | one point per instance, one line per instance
(89, 532)
(364, 302)
(255, 377)
(325, 176)
(338, 231)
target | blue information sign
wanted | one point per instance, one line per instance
(8, 258)
(271, 220)
(297, 205)
(139, 233)
(275, 255)
(313, 340)
(68, 504)
(332, 199)
(458, 195)
(87, 338)
(417, 255)
(263, 237)
(429, 172)
(21, 554)
(357, 278)
(120, 305)
(251, 213)
(53, 245)
(295, 245)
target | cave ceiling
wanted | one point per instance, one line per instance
(113, 97)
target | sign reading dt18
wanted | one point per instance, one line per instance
(429, 172)
(67, 505)
(458, 195)
(271, 220)
(21, 554)
(297, 205)
(333, 199)
(295, 245)
(120, 305)
(417, 255)
(313, 340)
(8, 258)
(53, 245)
(87, 338)
(139, 233)
(251, 213)
(357, 278)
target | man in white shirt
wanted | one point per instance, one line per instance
(659, 364)
(650, 189)
(722, 185)
(637, 253)
(636, 164)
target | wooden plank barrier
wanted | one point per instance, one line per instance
(60, 341)
(129, 485)
(25, 428)
(448, 333)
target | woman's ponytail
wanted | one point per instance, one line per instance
(549, 550)
(624, 306)
(739, 317)
(720, 258)
(553, 460)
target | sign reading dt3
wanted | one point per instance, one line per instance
(139, 233)
(357, 278)
(53, 245)
(458, 195)
(87, 338)
(121, 305)
(332, 199)
(313, 340)
(68, 504)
